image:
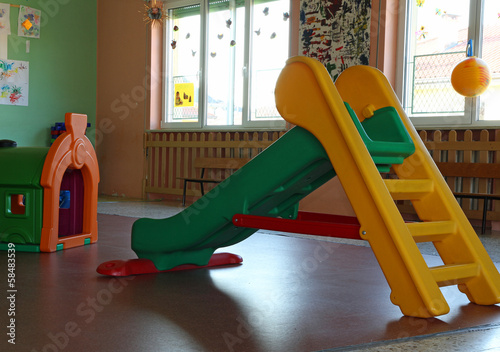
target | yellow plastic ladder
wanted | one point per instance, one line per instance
(306, 96)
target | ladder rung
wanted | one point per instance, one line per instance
(431, 231)
(446, 275)
(409, 189)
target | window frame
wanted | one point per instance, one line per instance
(470, 119)
(201, 124)
(167, 64)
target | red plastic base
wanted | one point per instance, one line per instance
(146, 266)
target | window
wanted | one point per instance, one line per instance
(16, 204)
(435, 39)
(222, 60)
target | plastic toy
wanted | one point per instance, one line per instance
(355, 141)
(48, 196)
(58, 129)
(288, 181)
(472, 76)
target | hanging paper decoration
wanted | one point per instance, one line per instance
(173, 44)
(213, 54)
(421, 33)
(184, 93)
(229, 23)
(440, 12)
(273, 35)
(154, 13)
(29, 22)
(188, 36)
(420, 3)
(14, 82)
(257, 31)
(193, 52)
(176, 28)
(220, 36)
(286, 16)
(4, 18)
(266, 11)
(27, 25)
(232, 43)
(472, 76)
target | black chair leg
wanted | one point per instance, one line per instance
(184, 194)
(485, 214)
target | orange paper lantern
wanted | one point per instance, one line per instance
(471, 77)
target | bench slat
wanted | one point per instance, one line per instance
(480, 170)
(477, 195)
(206, 180)
(220, 163)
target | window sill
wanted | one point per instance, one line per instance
(472, 126)
(219, 129)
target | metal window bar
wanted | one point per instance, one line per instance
(432, 90)
(265, 81)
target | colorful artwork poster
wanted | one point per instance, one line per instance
(14, 82)
(184, 94)
(4, 18)
(29, 22)
(335, 32)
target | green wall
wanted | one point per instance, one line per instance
(62, 70)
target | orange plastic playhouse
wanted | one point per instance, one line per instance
(49, 195)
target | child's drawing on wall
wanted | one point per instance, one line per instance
(4, 19)
(29, 22)
(14, 82)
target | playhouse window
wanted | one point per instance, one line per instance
(435, 39)
(222, 60)
(16, 204)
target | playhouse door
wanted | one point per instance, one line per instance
(71, 204)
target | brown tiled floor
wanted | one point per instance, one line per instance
(290, 294)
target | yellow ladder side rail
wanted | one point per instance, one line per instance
(306, 80)
(465, 246)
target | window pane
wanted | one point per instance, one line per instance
(183, 64)
(226, 44)
(270, 40)
(214, 77)
(437, 42)
(490, 100)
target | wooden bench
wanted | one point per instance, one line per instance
(210, 163)
(473, 170)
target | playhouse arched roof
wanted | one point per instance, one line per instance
(23, 165)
